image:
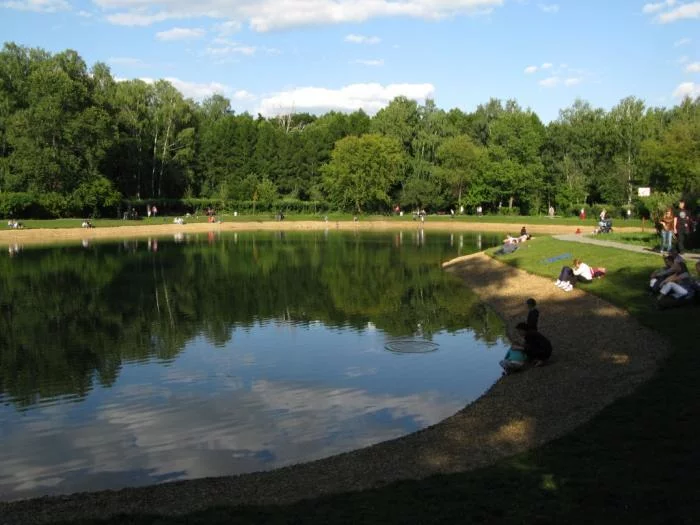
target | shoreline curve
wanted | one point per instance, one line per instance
(58, 235)
(517, 413)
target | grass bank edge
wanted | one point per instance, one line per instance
(516, 221)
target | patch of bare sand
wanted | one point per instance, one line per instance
(600, 354)
(59, 235)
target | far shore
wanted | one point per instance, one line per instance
(59, 235)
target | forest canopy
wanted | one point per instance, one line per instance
(75, 141)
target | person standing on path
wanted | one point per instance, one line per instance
(533, 314)
(681, 225)
(667, 222)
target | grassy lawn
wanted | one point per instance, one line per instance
(586, 225)
(636, 462)
(648, 240)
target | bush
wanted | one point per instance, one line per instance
(52, 205)
(95, 198)
(515, 210)
(18, 205)
(614, 212)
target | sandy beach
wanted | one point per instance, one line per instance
(60, 235)
(600, 354)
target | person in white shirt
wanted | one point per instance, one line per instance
(569, 275)
(582, 270)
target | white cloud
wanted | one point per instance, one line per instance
(242, 94)
(368, 97)
(546, 65)
(531, 69)
(658, 6)
(682, 60)
(549, 8)
(362, 39)
(37, 6)
(127, 61)
(195, 90)
(267, 15)
(180, 33)
(572, 81)
(682, 42)
(550, 82)
(228, 48)
(370, 62)
(682, 12)
(84, 14)
(687, 89)
(693, 67)
(198, 91)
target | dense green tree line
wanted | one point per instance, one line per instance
(74, 140)
(70, 316)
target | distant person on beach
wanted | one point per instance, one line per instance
(537, 348)
(533, 314)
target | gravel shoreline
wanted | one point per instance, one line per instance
(600, 354)
(58, 235)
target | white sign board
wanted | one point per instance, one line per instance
(643, 192)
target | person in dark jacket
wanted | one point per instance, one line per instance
(537, 347)
(533, 314)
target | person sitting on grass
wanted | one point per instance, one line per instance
(676, 282)
(679, 288)
(657, 277)
(579, 272)
(537, 348)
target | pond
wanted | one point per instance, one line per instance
(142, 361)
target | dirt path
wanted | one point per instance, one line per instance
(47, 235)
(600, 354)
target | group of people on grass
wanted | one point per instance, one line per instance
(673, 284)
(524, 236)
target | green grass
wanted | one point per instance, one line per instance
(636, 462)
(646, 239)
(586, 225)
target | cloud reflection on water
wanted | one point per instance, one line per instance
(136, 442)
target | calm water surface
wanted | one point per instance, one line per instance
(138, 362)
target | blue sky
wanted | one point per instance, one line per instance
(274, 56)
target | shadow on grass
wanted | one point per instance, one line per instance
(636, 461)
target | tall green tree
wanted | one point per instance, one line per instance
(362, 170)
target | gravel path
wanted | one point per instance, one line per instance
(619, 245)
(600, 354)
